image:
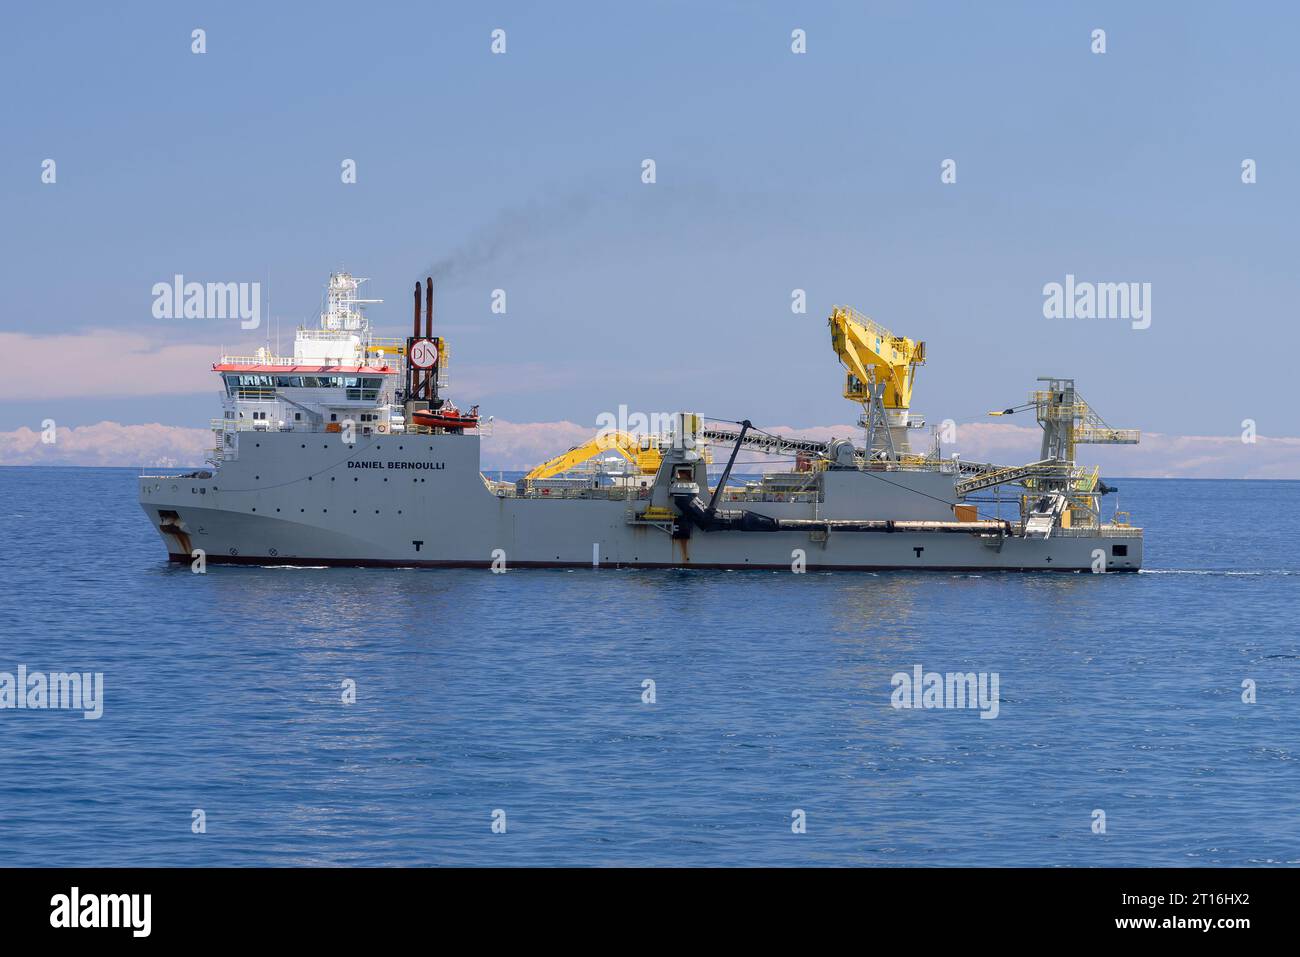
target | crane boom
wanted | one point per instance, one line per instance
(873, 354)
(644, 454)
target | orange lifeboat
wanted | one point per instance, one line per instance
(448, 417)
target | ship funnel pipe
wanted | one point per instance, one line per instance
(428, 307)
(430, 385)
(412, 374)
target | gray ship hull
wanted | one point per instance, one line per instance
(412, 500)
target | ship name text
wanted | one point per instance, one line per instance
(435, 466)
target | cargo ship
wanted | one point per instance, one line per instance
(349, 452)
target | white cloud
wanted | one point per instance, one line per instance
(108, 444)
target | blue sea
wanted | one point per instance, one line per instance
(519, 698)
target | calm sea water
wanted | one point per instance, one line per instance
(522, 692)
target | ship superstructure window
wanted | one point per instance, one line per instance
(239, 382)
(258, 386)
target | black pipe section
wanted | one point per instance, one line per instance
(707, 519)
(697, 514)
(726, 473)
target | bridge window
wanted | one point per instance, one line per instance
(256, 386)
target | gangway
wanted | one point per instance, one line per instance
(1004, 476)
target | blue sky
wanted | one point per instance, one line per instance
(775, 172)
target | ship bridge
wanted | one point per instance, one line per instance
(282, 393)
(338, 373)
(339, 376)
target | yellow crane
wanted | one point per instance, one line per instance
(642, 452)
(871, 353)
(881, 368)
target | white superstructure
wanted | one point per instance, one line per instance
(340, 376)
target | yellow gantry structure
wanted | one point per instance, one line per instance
(873, 354)
(641, 452)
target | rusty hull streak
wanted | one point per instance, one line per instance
(182, 537)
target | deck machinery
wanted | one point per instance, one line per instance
(1054, 492)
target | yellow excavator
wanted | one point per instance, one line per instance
(643, 452)
(881, 369)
